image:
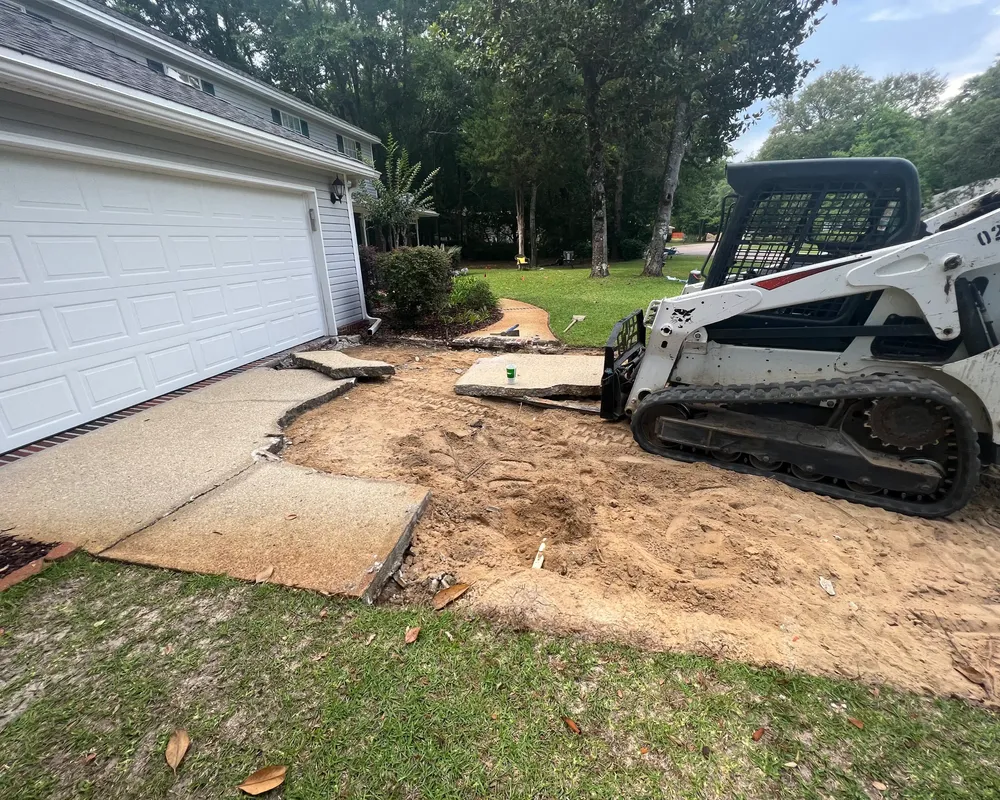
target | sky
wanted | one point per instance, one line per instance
(958, 38)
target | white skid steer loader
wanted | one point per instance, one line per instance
(837, 343)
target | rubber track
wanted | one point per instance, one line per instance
(964, 475)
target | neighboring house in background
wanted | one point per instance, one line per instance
(163, 217)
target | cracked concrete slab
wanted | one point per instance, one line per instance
(98, 488)
(537, 376)
(336, 364)
(299, 526)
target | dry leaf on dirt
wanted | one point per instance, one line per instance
(970, 673)
(264, 574)
(857, 723)
(89, 757)
(290, 516)
(879, 785)
(757, 734)
(450, 595)
(263, 780)
(177, 747)
(412, 634)
(572, 726)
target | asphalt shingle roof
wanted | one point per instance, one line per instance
(42, 39)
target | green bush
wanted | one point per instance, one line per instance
(417, 281)
(455, 255)
(472, 294)
(631, 249)
(368, 256)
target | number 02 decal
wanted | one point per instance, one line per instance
(985, 238)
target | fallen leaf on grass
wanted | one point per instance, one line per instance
(264, 575)
(318, 656)
(789, 765)
(880, 786)
(450, 637)
(876, 692)
(706, 751)
(757, 734)
(572, 726)
(177, 747)
(323, 613)
(263, 780)
(621, 694)
(450, 595)
(643, 751)
(369, 640)
(89, 757)
(412, 634)
(857, 723)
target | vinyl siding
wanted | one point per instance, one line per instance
(36, 117)
(260, 105)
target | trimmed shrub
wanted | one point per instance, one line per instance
(417, 281)
(631, 249)
(472, 294)
(455, 254)
(368, 256)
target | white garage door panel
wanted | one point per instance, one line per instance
(117, 286)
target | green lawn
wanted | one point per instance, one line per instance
(100, 662)
(564, 291)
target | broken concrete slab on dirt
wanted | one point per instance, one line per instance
(96, 489)
(291, 525)
(337, 365)
(537, 376)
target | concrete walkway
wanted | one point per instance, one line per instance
(100, 490)
(532, 322)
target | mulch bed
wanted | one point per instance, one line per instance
(15, 553)
(434, 330)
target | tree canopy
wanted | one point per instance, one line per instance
(587, 125)
(845, 112)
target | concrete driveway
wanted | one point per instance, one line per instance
(117, 490)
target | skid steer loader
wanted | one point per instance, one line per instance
(837, 343)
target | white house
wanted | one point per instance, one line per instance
(163, 217)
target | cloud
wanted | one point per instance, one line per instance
(900, 10)
(980, 58)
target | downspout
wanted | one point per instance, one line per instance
(376, 322)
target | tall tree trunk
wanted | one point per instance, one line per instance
(531, 226)
(671, 175)
(616, 239)
(595, 176)
(519, 210)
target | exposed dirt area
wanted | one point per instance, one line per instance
(659, 553)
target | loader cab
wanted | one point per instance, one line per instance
(789, 214)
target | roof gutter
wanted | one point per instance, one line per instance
(30, 75)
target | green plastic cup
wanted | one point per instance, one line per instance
(511, 373)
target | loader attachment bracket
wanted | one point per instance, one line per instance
(622, 354)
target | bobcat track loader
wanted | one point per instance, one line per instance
(838, 343)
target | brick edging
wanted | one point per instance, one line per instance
(32, 568)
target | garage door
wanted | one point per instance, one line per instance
(119, 285)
